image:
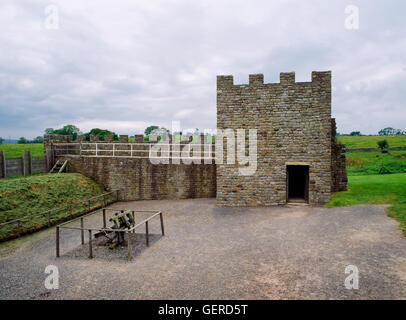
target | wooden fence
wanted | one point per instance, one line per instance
(25, 165)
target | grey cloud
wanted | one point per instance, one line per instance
(130, 64)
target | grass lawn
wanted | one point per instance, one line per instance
(371, 141)
(376, 189)
(362, 163)
(21, 197)
(14, 150)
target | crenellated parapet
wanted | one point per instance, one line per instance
(123, 138)
(50, 139)
(108, 138)
(286, 78)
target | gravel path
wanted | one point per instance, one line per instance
(221, 253)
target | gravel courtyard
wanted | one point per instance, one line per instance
(221, 253)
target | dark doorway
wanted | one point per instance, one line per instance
(297, 183)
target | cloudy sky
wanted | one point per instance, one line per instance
(123, 65)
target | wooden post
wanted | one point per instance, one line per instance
(4, 164)
(29, 157)
(19, 228)
(146, 233)
(57, 242)
(117, 191)
(70, 209)
(104, 200)
(162, 223)
(90, 245)
(46, 157)
(23, 162)
(104, 218)
(130, 247)
(82, 232)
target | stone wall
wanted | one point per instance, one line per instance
(293, 120)
(49, 140)
(338, 164)
(139, 179)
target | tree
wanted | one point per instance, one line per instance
(68, 130)
(22, 140)
(100, 133)
(38, 139)
(387, 132)
(383, 145)
(148, 130)
(160, 133)
(1, 140)
(355, 133)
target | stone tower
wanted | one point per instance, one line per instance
(298, 159)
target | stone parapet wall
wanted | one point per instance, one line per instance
(338, 166)
(49, 139)
(338, 162)
(139, 179)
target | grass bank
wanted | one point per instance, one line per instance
(14, 150)
(371, 141)
(21, 197)
(375, 189)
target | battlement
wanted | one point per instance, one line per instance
(286, 78)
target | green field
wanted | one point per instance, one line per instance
(371, 141)
(376, 189)
(21, 197)
(364, 163)
(14, 150)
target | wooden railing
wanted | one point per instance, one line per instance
(135, 150)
